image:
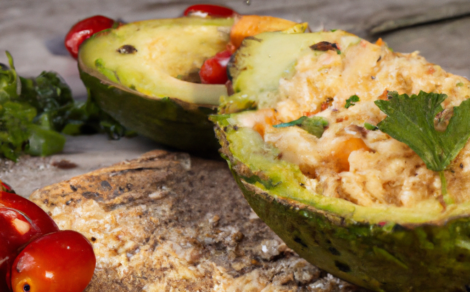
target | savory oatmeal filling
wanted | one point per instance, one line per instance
(350, 161)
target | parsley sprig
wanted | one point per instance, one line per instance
(411, 120)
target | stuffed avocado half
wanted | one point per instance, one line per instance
(145, 75)
(324, 135)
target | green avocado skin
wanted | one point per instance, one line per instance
(168, 121)
(427, 257)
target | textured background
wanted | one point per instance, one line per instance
(31, 29)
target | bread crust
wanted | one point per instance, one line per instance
(171, 222)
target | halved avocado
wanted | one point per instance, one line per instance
(145, 75)
(379, 247)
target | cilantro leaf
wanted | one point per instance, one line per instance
(370, 127)
(314, 125)
(352, 101)
(411, 120)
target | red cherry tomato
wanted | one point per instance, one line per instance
(214, 69)
(31, 210)
(57, 262)
(85, 29)
(16, 230)
(205, 10)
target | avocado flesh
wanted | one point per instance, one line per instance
(381, 248)
(275, 58)
(167, 50)
(145, 90)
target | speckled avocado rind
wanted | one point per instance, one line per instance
(380, 257)
(168, 121)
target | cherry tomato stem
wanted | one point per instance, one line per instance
(5, 187)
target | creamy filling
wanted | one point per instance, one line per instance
(362, 166)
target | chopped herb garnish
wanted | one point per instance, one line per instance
(314, 125)
(370, 127)
(333, 30)
(351, 101)
(35, 112)
(459, 84)
(290, 124)
(411, 120)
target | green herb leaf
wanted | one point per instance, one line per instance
(8, 81)
(314, 125)
(290, 124)
(44, 142)
(351, 101)
(34, 111)
(411, 120)
(370, 127)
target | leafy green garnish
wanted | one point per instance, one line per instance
(292, 123)
(351, 101)
(459, 84)
(411, 120)
(370, 127)
(314, 125)
(34, 111)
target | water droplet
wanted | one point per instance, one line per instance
(248, 2)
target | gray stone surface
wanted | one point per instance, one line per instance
(26, 26)
(86, 152)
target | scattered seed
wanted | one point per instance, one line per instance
(324, 46)
(127, 49)
(64, 164)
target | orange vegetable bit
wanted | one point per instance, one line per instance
(380, 42)
(250, 25)
(343, 150)
(267, 118)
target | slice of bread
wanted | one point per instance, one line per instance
(171, 222)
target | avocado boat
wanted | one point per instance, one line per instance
(144, 74)
(300, 138)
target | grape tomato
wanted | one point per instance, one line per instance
(61, 261)
(84, 29)
(205, 10)
(40, 218)
(16, 232)
(214, 69)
